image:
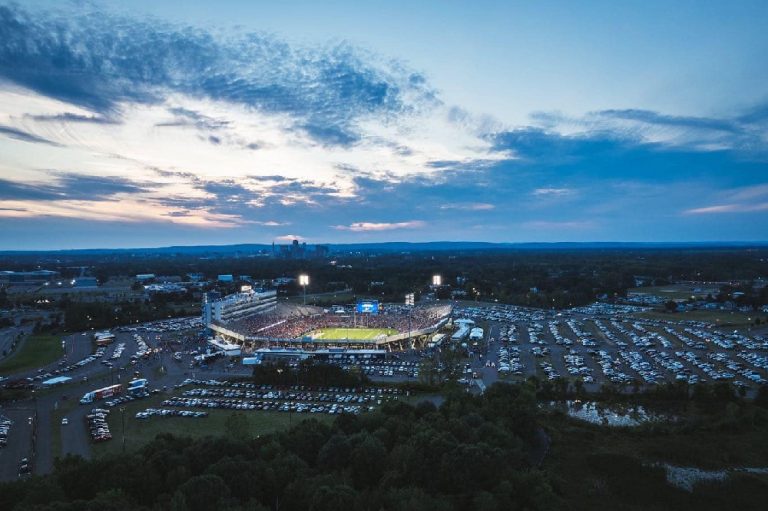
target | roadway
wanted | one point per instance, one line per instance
(33, 439)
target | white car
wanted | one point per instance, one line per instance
(64, 421)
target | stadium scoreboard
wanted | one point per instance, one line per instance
(368, 307)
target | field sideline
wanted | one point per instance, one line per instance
(363, 334)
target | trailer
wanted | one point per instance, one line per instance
(90, 397)
(104, 338)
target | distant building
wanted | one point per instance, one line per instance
(143, 277)
(225, 278)
(28, 277)
(169, 287)
(85, 282)
(168, 278)
(282, 281)
(196, 277)
(238, 305)
(295, 250)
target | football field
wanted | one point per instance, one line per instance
(362, 334)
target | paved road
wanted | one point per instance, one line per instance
(74, 437)
(19, 439)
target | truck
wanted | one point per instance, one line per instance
(138, 383)
(90, 397)
(137, 387)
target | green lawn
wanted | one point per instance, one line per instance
(721, 318)
(675, 291)
(363, 334)
(36, 351)
(139, 432)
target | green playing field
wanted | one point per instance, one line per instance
(363, 334)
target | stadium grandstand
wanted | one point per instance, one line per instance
(237, 306)
(311, 327)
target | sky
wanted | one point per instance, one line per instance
(151, 123)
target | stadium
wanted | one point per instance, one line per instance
(392, 327)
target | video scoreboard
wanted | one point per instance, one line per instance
(368, 307)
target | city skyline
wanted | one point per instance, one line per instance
(172, 125)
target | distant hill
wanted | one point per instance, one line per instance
(398, 246)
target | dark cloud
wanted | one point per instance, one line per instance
(186, 117)
(14, 190)
(70, 117)
(275, 178)
(98, 60)
(79, 186)
(69, 186)
(24, 136)
(227, 190)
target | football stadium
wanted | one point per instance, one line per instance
(367, 324)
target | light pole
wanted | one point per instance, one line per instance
(122, 419)
(409, 302)
(290, 409)
(304, 282)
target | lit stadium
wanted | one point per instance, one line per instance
(387, 326)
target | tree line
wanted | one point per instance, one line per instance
(469, 454)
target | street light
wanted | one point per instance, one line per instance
(304, 282)
(122, 419)
(290, 409)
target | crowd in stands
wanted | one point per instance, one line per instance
(299, 321)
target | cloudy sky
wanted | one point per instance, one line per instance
(247, 122)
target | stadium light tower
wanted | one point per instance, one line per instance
(410, 301)
(304, 282)
(437, 280)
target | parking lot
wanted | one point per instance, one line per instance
(221, 394)
(612, 347)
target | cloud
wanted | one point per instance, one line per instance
(380, 226)
(728, 208)
(552, 192)
(69, 117)
(743, 133)
(98, 60)
(127, 210)
(469, 206)
(18, 134)
(68, 186)
(747, 199)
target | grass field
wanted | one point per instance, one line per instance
(36, 351)
(362, 334)
(140, 432)
(721, 318)
(676, 291)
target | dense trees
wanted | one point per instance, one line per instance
(542, 277)
(471, 453)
